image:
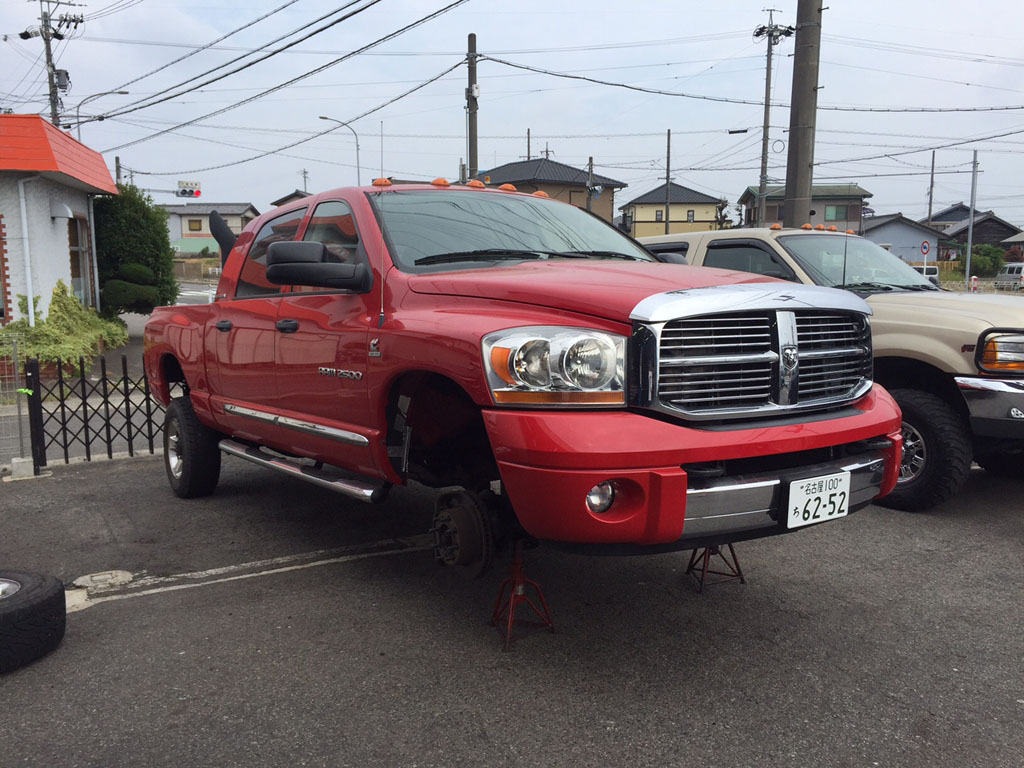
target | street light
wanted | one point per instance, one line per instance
(359, 182)
(78, 109)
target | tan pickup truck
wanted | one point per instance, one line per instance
(953, 361)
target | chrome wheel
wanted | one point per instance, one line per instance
(914, 454)
(8, 588)
(175, 460)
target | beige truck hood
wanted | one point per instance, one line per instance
(939, 327)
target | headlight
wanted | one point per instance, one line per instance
(1001, 349)
(555, 365)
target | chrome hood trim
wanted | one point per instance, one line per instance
(743, 297)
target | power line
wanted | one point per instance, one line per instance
(208, 45)
(151, 101)
(958, 143)
(309, 73)
(278, 150)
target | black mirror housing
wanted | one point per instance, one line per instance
(305, 263)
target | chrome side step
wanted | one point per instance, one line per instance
(354, 489)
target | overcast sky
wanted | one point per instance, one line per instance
(875, 54)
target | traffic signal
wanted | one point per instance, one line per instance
(188, 193)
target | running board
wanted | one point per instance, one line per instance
(354, 489)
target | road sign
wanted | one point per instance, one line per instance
(926, 247)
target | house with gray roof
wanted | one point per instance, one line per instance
(689, 210)
(189, 224)
(912, 241)
(559, 181)
(838, 205)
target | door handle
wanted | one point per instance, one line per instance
(287, 326)
(223, 325)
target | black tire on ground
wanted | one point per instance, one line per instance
(935, 469)
(1005, 464)
(32, 617)
(191, 455)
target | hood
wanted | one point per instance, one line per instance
(943, 308)
(608, 289)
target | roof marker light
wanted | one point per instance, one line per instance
(820, 227)
(850, 232)
(541, 193)
(475, 184)
(833, 228)
(439, 182)
(382, 182)
(806, 226)
(508, 188)
(775, 226)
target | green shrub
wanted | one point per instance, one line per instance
(68, 332)
(986, 260)
(137, 273)
(130, 297)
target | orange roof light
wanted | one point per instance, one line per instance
(508, 188)
(833, 228)
(850, 232)
(820, 227)
(439, 182)
(541, 193)
(775, 226)
(475, 184)
(382, 182)
(806, 226)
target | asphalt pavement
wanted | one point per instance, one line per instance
(275, 623)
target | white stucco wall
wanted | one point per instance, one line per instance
(49, 237)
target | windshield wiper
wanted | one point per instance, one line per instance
(865, 286)
(484, 254)
(596, 255)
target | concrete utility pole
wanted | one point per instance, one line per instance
(590, 182)
(305, 179)
(668, 178)
(802, 115)
(472, 93)
(970, 221)
(527, 143)
(774, 33)
(931, 189)
(117, 168)
(47, 33)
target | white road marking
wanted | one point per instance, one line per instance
(78, 599)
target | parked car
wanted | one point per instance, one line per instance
(954, 362)
(929, 271)
(1010, 278)
(578, 390)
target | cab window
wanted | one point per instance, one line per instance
(253, 280)
(333, 224)
(747, 258)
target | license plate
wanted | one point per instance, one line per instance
(816, 499)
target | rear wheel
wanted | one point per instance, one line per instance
(937, 452)
(191, 454)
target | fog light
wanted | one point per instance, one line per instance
(601, 497)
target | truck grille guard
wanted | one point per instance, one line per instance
(749, 351)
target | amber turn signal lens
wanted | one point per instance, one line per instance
(520, 397)
(501, 364)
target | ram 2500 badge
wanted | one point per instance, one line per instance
(525, 351)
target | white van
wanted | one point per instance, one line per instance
(931, 272)
(1010, 278)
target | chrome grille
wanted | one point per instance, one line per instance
(743, 363)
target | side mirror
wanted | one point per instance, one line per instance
(309, 263)
(933, 280)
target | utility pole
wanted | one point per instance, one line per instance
(668, 178)
(931, 189)
(305, 179)
(802, 114)
(774, 33)
(47, 33)
(970, 222)
(472, 92)
(547, 151)
(590, 182)
(527, 143)
(117, 168)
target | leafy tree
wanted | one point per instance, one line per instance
(986, 260)
(131, 232)
(1014, 254)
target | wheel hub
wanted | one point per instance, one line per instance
(8, 588)
(175, 461)
(914, 454)
(463, 531)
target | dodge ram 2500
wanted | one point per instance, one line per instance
(578, 390)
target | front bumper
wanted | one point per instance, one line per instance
(996, 406)
(550, 460)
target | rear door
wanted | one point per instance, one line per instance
(244, 333)
(322, 351)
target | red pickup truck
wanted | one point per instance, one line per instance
(577, 390)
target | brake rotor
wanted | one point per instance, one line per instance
(463, 532)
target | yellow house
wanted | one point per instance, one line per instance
(559, 181)
(689, 211)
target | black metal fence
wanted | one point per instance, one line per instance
(77, 413)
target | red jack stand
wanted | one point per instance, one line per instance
(504, 615)
(700, 559)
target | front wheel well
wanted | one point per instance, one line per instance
(436, 433)
(905, 373)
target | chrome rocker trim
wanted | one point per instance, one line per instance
(309, 427)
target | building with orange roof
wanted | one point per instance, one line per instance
(47, 184)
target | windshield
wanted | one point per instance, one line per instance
(431, 230)
(853, 263)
